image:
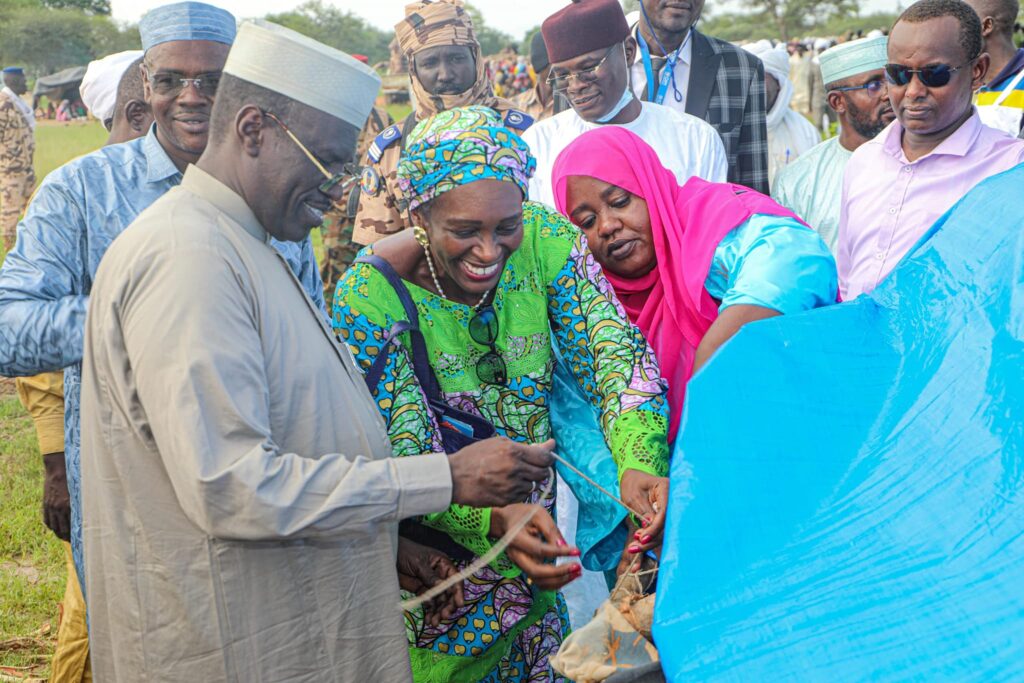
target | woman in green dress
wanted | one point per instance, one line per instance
(497, 283)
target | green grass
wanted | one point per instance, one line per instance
(59, 143)
(32, 569)
(399, 111)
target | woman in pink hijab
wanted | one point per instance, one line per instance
(690, 264)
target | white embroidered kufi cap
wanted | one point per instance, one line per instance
(303, 70)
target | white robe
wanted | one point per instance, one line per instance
(240, 501)
(686, 145)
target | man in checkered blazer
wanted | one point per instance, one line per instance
(711, 79)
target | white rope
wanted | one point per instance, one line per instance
(483, 560)
(506, 540)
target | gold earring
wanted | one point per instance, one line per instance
(421, 236)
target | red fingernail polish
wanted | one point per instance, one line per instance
(645, 540)
(560, 542)
(576, 569)
(644, 522)
(634, 549)
(575, 552)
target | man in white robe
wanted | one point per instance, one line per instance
(858, 94)
(790, 134)
(240, 501)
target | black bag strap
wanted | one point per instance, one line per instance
(420, 360)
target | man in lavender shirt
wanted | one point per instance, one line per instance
(898, 184)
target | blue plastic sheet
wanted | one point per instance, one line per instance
(857, 475)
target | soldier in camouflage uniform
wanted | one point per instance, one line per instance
(17, 146)
(446, 70)
(538, 101)
(339, 250)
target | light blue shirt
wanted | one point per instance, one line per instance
(774, 262)
(45, 281)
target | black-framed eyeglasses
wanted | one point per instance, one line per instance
(935, 76)
(560, 82)
(483, 328)
(172, 84)
(873, 87)
(336, 183)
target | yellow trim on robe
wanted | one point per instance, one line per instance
(43, 398)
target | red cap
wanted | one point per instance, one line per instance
(362, 58)
(582, 27)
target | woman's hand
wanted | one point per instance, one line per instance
(648, 495)
(538, 541)
(421, 568)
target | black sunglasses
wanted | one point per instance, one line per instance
(483, 328)
(931, 76)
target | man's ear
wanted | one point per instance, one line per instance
(136, 112)
(147, 87)
(249, 127)
(980, 71)
(988, 24)
(630, 44)
(836, 102)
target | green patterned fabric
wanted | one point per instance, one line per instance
(551, 293)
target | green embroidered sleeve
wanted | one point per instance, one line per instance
(608, 355)
(365, 308)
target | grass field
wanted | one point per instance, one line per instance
(32, 570)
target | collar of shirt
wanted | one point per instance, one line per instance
(158, 164)
(1010, 70)
(200, 183)
(958, 144)
(685, 55)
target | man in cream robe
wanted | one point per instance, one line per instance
(240, 501)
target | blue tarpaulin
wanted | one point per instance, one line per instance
(857, 474)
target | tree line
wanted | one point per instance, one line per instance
(45, 36)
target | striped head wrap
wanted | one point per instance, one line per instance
(457, 147)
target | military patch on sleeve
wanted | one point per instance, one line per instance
(388, 137)
(517, 120)
(369, 182)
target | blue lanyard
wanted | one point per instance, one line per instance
(668, 72)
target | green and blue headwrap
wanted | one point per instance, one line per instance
(458, 146)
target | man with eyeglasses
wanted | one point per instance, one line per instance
(112, 91)
(446, 71)
(590, 50)
(937, 149)
(80, 209)
(857, 92)
(241, 496)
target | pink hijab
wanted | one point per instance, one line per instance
(670, 304)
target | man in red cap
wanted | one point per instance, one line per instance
(590, 49)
